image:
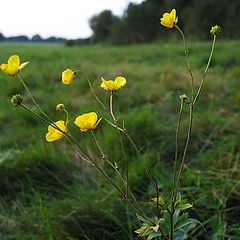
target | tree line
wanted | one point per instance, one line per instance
(35, 38)
(140, 22)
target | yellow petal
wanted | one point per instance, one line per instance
(14, 61)
(3, 67)
(68, 76)
(23, 65)
(119, 82)
(173, 13)
(54, 134)
(87, 121)
(166, 15)
(167, 23)
(103, 84)
(97, 122)
(92, 118)
(107, 85)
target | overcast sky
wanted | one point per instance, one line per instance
(61, 18)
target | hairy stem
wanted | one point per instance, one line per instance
(176, 144)
(121, 140)
(205, 72)
(185, 150)
(187, 61)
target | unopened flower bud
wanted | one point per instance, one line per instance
(16, 100)
(183, 97)
(155, 229)
(215, 30)
(60, 107)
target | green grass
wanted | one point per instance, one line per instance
(47, 193)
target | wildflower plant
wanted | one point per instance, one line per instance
(171, 211)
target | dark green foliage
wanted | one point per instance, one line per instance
(140, 22)
(1, 37)
(80, 41)
(102, 25)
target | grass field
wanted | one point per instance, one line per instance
(47, 193)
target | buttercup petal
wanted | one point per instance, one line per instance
(54, 134)
(68, 76)
(87, 121)
(120, 81)
(173, 13)
(23, 65)
(14, 61)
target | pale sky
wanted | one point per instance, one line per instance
(60, 18)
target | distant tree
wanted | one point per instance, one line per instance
(232, 20)
(37, 38)
(20, 38)
(140, 23)
(77, 42)
(102, 25)
(1, 37)
(70, 43)
(53, 39)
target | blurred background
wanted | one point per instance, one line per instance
(46, 192)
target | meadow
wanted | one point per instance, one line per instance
(47, 193)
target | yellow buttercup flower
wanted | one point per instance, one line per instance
(13, 66)
(169, 19)
(87, 121)
(53, 134)
(111, 85)
(68, 76)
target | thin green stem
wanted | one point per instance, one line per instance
(153, 181)
(121, 141)
(139, 155)
(185, 150)
(206, 70)
(32, 98)
(98, 167)
(114, 167)
(36, 104)
(176, 143)
(67, 116)
(187, 61)
(171, 227)
(124, 130)
(41, 118)
(92, 90)
(111, 107)
(57, 128)
(98, 146)
(112, 124)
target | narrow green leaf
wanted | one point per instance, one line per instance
(182, 205)
(180, 221)
(187, 222)
(153, 235)
(179, 197)
(161, 201)
(142, 219)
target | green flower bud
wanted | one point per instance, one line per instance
(183, 97)
(215, 30)
(16, 100)
(60, 107)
